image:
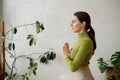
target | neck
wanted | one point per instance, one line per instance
(82, 31)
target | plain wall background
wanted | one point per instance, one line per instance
(56, 16)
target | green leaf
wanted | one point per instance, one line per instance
(31, 64)
(34, 41)
(31, 60)
(35, 64)
(29, 36)
(29, 68)
(35, 68)
(34, 72)
(115, 60)
(102, 65)
(14, 74)
(52, 56)
(31, 41)
(14, 30)
(37, 30)
(118, 77)
(37, 27)
(112, 77)
(10, 46)
(13, 46)
(37, 23)
(48, 56)
(27, 78)
(42, 27)
(43, 59)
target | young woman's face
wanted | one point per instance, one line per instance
(76, 25)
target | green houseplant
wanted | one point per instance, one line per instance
(112, 72)
(33, 63)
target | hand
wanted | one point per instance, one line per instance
(66, 51)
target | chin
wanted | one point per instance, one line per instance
(74, 31)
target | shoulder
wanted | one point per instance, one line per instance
(86, 41)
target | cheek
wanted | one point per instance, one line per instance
(76, 28)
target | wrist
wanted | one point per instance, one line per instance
(66, 56)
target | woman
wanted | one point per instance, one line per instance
(77, 59)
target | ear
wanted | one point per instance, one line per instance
(83, 24)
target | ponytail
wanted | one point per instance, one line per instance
(91, 34)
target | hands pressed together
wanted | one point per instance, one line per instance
(66, 50)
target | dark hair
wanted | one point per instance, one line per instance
(84, 16)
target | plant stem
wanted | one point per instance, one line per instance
(11, 75)
(19, 27)
(10, 53)
(15, 58)
(7, 64)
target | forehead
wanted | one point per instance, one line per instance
(74, 18)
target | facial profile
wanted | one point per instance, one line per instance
(76, 25)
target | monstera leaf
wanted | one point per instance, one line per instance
(115, 60)
(102, 65)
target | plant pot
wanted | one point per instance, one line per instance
(110, 72)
